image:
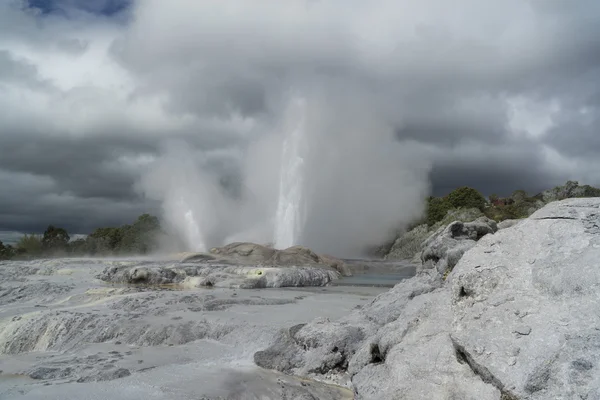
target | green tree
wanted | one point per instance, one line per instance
(590, 191)
(137, 238)
(466, 197)
(437, 208)
(104, 240)
(140, 237)
(55, 239)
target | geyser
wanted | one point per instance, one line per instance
(327, 172)
(289, 219)
(190, 198)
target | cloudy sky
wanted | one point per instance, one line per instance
(495, 95)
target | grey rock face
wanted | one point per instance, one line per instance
(525, 303)
(517, 318)
(444, 248)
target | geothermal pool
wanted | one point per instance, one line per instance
(64, 334)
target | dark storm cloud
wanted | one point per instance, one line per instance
(496, 172)
(500, 95)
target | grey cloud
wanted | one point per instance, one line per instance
(220, 77)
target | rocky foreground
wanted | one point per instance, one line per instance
(65, 334)
(513, 316)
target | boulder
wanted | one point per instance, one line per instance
(444, 248)
(517, 318)
(525, 303)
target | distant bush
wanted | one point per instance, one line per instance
(137, 238)
(30, 245)
(6, 251)
(466, 197)
(590, 191)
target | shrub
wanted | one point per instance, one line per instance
(437, 208)
(31, 245)
(590, 191)
(466, 197)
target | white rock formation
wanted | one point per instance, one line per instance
(516, 319)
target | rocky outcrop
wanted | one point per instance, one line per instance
(323, 347)
(219, 275)
(410, 244)
(516, 319)
(237, 265)
(255, 254)
(443, 249)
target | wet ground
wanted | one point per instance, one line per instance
(64, 334)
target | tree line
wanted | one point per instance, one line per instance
(518, 205)
(137, 238)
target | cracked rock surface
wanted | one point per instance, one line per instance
(517, 318)
(526, 304)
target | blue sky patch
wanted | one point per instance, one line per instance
(99, 7)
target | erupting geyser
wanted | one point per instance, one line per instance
(289, 219)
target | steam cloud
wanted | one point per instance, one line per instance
(354, 182)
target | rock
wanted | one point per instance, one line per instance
(326, 348)
(507, 223)
(446, 246)
(516, 319)
(220, 275)
(548, 264)
(256, 254)
(385, 349)
(408, 244)
(243, 253)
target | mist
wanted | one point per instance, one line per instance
(329, 174)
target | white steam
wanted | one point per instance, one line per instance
(193, 207)
(331, 176)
